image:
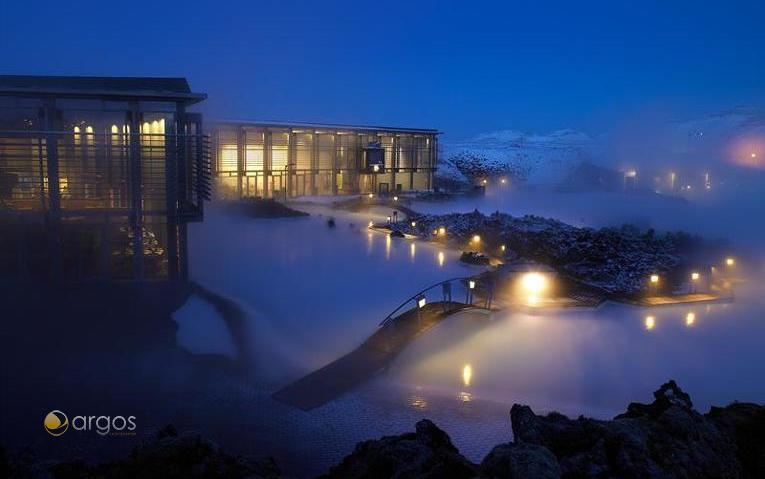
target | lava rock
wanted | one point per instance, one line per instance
(473, 257)
(520, 461)
(745, 425)
(426, 453)
(667, 438)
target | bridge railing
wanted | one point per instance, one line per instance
(469, 283)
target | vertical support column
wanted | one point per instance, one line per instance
(172, 194)
(394, 164)
(314, 161)
(240, 152)
(413, 157)
(53, 216)
(266, 163)
(291, 159)
(433, 160)
(136, 200)
(334, 163)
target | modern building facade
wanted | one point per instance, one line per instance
(280, 160)
(99, 176)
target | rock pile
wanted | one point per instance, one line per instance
(664, 439)
(617, 260)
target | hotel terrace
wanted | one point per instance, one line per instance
(281, 160)
(99, 176)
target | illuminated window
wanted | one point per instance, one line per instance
(228, 158)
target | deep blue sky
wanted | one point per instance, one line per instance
(463, 67)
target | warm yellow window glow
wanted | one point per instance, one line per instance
(502, 247)
(654, 278)
(690, 318)
(442, 230)
(441, 258)
(650, 322)
(229, 158)
(694, 276)
(730, 261)
(476, 239)
(421, 302)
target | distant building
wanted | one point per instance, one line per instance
(272, 159)
(99, 176)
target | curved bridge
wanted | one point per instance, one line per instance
(395, 332)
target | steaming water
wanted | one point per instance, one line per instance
(313, 293)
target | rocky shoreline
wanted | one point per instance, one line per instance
(667, 438)
(664, 439)
(616, 260)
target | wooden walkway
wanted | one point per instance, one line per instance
(374, 355)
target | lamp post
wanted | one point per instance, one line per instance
(471, 287)
(420, 304)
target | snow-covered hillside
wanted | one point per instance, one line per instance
(719, 143)
(534, 158)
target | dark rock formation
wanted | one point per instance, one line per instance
(169, 455)
(426, 453)
(473, 257)
(745, 424)
(520, 460)
(666, 438)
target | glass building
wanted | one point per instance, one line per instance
(280, 160)
(99, 176)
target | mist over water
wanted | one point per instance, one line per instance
(313, 293)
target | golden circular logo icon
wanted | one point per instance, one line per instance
(56, 423)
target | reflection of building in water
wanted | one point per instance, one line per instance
(269, 159)
(98, 176)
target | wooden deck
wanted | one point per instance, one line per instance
(337, 377)
(683, 299)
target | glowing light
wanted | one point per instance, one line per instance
(694, 276)
(534, 283)
(754, 155)
(376, 168)
(502, 248)
(476, 239)
(503, 181)
(421, 301)
(650, 322)
(441, 258)
(483, 182)
(467, 374)
(471, 284)
(371, 223)
(654, 278)
(730, 261)
(442, 230)
(532, 300)
(371, 195)
(630, 174)
(395, 198)
(412, 249)
(690, 318)
(413, 223)
(388, 219)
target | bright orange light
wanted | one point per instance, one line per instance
(533, 283)
(476, 239)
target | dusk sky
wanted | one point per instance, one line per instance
(461, 67)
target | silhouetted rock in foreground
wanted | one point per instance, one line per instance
(426, 453)
(169, 455)
(664, 439)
